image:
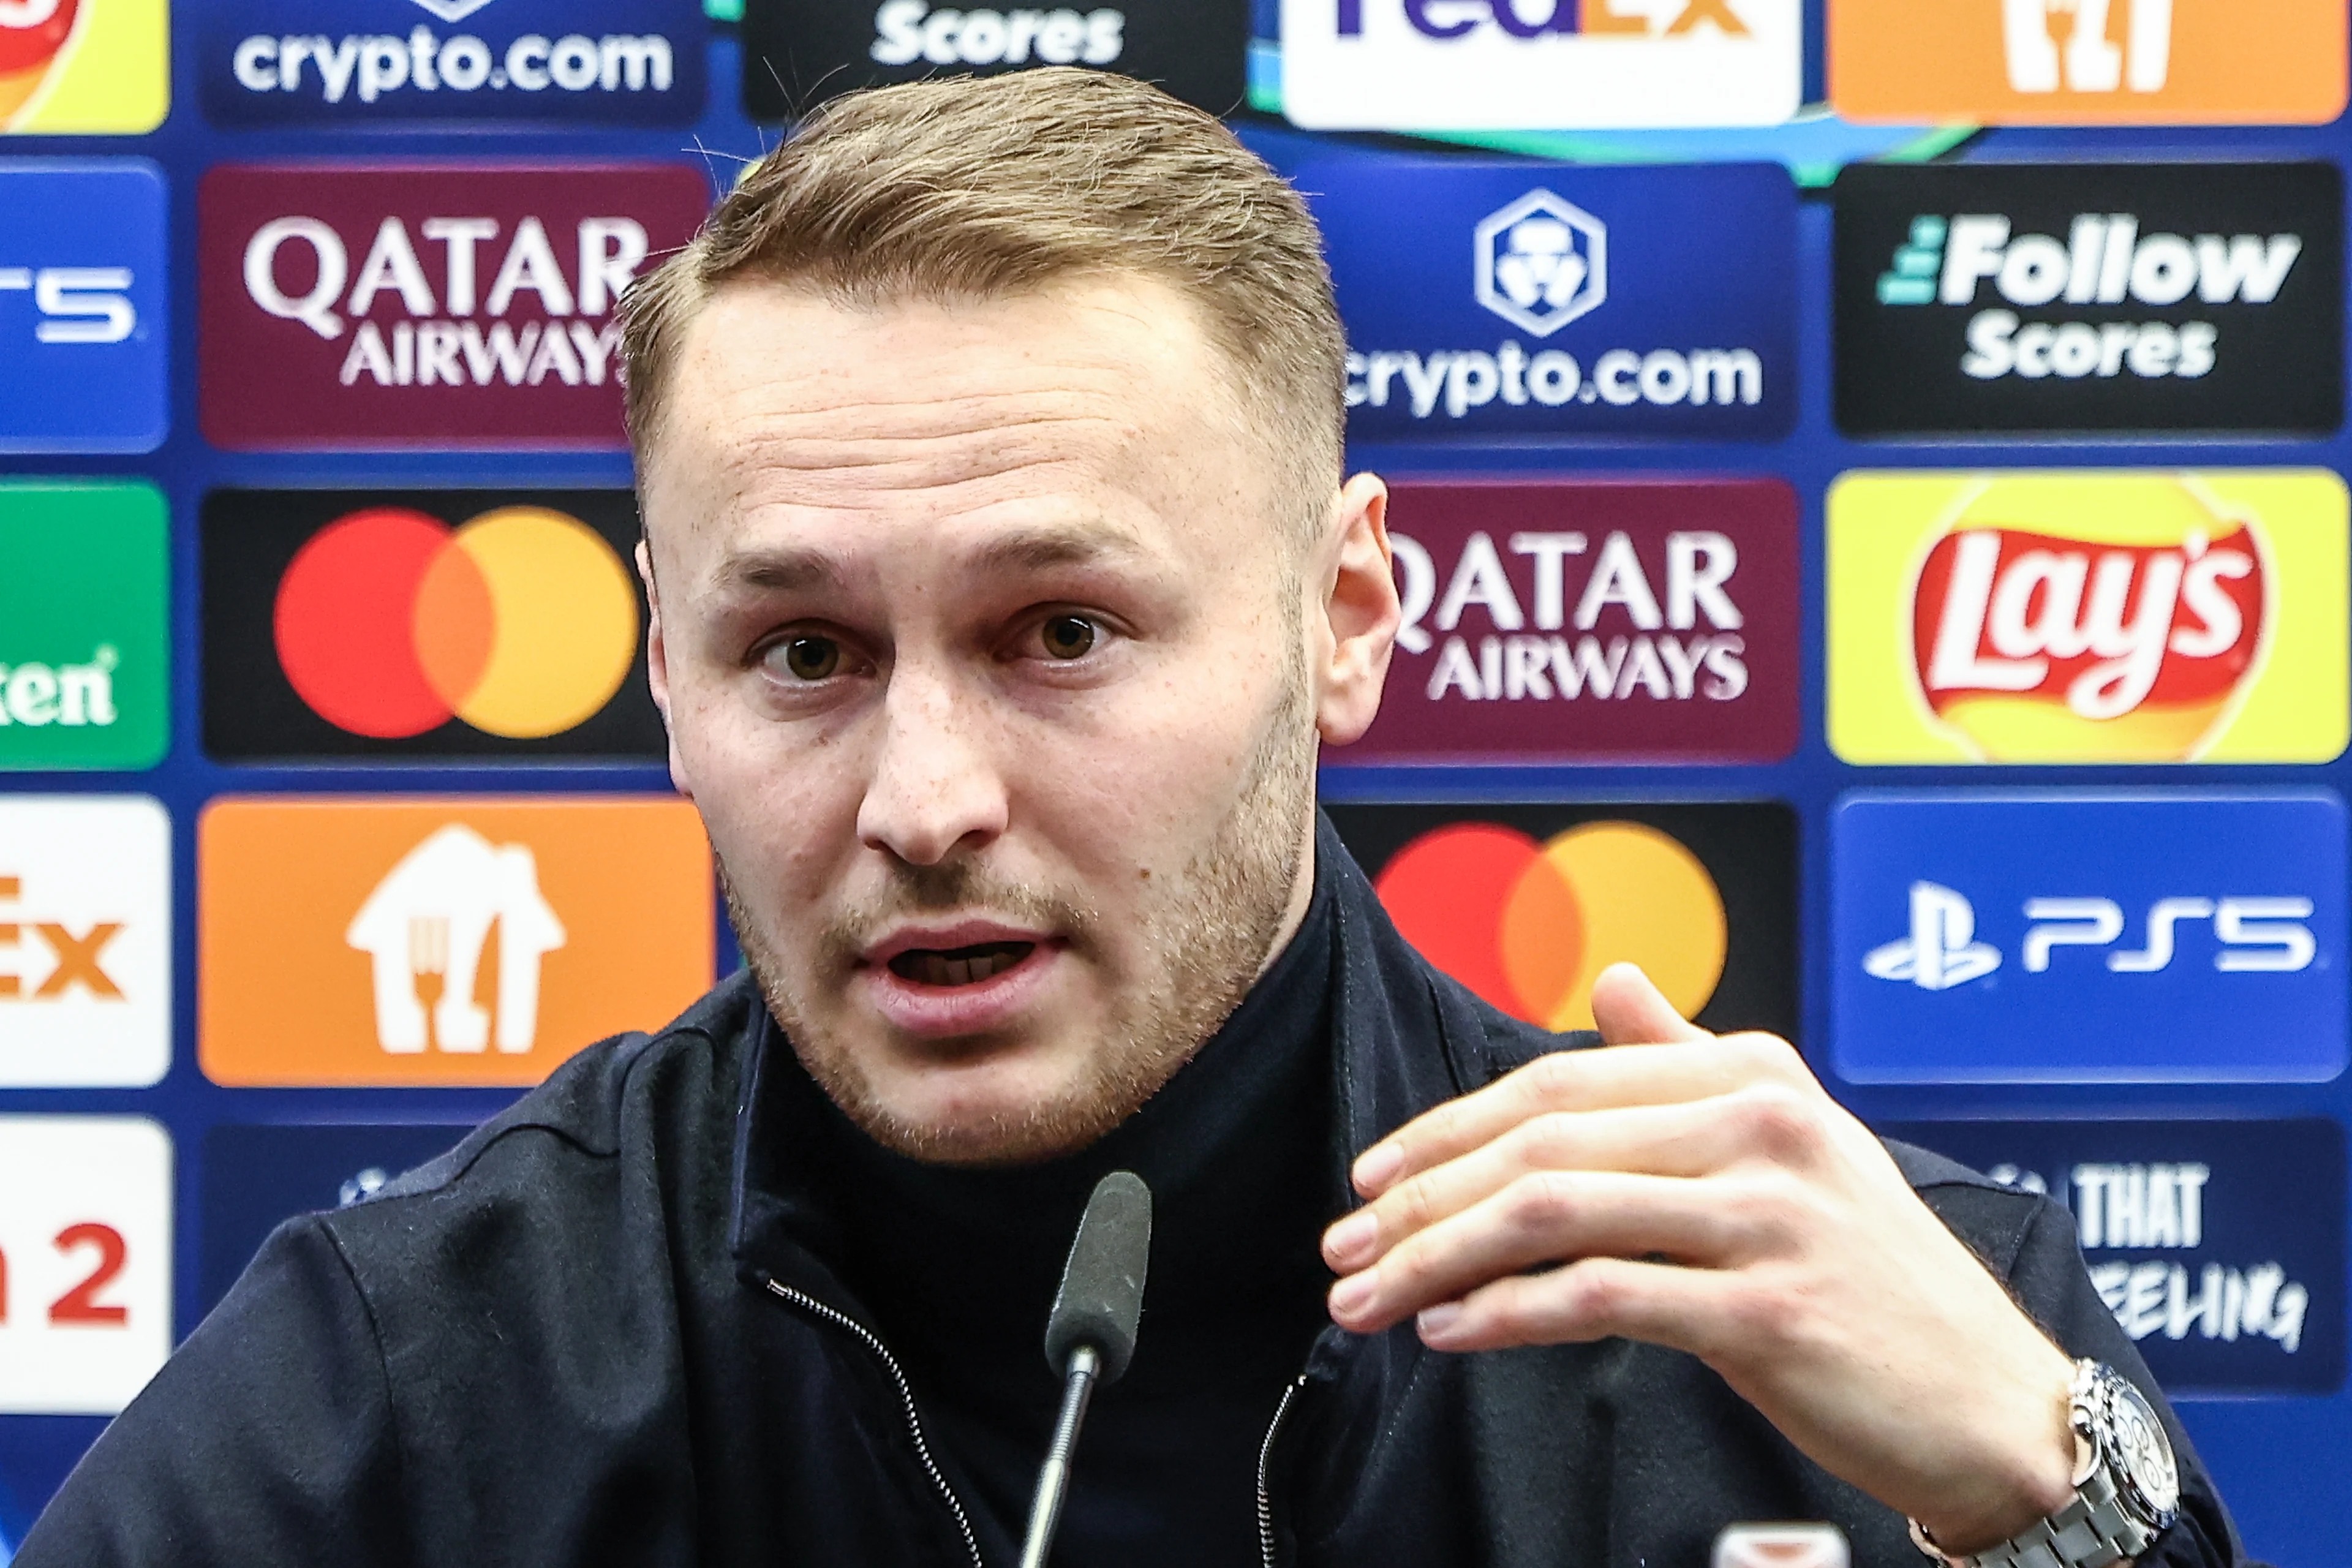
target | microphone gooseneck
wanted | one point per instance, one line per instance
(1090, 1334)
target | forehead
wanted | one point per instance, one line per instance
(1094, 401)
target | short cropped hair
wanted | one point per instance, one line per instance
(979, 188)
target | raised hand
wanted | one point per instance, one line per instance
(1705, 1194)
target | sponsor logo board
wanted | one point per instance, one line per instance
(2140, 296)
(1527, 904)
(83, 67)
(2193, 937)
(2088, 616)
(257, 1177)
(454, 62)
(85, 1262)
(83, 284)
(1534, 301)
(799, 53)
(85, 942)
(423, 623)
(444, 940)
(84, 646)
(1588, 620)
(382, 305)
(2088, 62)
(1539, 65)
(2218, 1246)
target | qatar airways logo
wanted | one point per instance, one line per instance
(1617, 638)
(389, 305)
(1590, 620)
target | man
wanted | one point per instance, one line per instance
(1003, 584)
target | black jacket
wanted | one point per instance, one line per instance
(590, 1334)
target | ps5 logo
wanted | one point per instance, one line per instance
(1541, 263)
(2252, 936)
(77, 304)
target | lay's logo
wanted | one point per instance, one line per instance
(2087, 617)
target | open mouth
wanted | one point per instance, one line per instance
(959, 965)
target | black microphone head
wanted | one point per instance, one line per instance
(1101, 1296)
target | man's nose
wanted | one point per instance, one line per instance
(935, 784)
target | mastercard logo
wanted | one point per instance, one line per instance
(1529, 924)
(523, 623)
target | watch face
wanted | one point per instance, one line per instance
(2141, 1450)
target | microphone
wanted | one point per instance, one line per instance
(1090, 1335)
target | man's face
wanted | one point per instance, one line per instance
(986, 644)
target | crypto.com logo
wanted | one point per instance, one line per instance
(1541, 263)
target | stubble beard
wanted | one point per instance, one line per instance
(1203, 947)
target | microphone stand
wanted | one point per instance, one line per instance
(1045, 1511)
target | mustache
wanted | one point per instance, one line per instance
(954, 886)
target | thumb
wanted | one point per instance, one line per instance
(1631, 1011)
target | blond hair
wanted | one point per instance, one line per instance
(978, 188)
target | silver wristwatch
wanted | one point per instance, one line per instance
(2127, 1487)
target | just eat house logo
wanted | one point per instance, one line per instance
(1539, 65)
(380, 306)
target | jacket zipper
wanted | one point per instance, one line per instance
(872, 1341)
(1264, 1461)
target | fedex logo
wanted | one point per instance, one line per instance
(1613, 19)
(2088, 938)
(1470, 65)
(85, 942)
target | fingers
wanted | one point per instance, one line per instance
(1543, 1217)
(1577, 1080)
(1595, 1299)
(1629, 1010)
(1687, 1138)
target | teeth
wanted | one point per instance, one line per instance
(938, 969)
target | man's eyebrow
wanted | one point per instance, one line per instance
(1044, 548)
(778, 571)
(792, 569)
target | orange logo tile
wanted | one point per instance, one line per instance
(2089, 62)
(447, 941)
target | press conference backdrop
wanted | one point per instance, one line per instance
(1867, 511)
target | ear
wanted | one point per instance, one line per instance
(1357, 619)
(657, 666)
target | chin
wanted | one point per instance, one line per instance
(997, 1115)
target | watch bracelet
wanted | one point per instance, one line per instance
(2096, 1529)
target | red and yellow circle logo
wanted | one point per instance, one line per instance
(523, 623)
(1530, 925)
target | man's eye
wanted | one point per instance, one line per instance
(811, 658)
(1068, 636)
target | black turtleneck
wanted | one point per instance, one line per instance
(957, 1269)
